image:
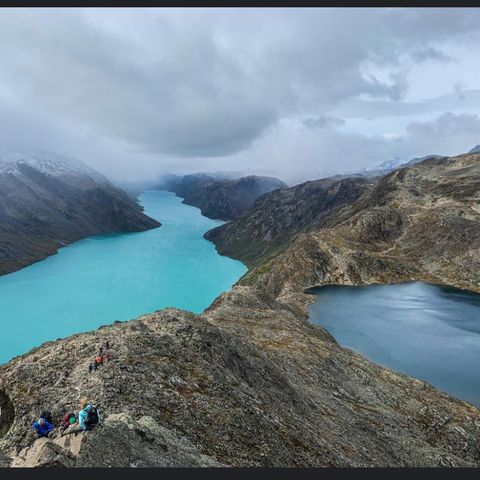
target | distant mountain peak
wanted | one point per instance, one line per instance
(475, 149)
(390, 165)
(46, 162)
(224, 198)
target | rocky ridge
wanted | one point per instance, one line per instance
(251, 382)
(416, 223)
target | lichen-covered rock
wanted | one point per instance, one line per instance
(4, 460)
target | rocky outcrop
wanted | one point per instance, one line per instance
(47, 201)
(120, 441)
(249, 383)
(5, 461)
(222, 198)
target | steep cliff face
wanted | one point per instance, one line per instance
(224, 199)
(420, 222)
(48, 201)
(249, 383)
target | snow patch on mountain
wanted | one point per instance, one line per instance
(48, 163)
(475, 149)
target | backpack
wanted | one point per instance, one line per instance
(47, 416)
(66, 419)
(93, 417)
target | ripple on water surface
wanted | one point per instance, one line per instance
(423, 330)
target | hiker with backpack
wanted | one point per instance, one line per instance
(106, 357)
(88, 417)
(69, 419)
(98, 360)
(42, 427)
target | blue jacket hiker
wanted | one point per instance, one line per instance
(42, 427)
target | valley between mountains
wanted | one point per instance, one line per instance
(250, 382)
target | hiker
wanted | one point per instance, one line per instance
(100, 352)
(106, 357)
(68, 420)
(94, 366)
(47, 416)
(90, 368)
(42, 427)
(88, 417)
(98, 360)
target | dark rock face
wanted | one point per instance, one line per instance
(224, 199)
(7, 413)
(276, 218)
(4, 460)
(44, 208)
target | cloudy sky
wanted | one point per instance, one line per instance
(296, 93)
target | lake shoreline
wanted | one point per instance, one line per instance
(103, 278)
(425, 331)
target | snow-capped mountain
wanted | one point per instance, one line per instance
(475, 149)
(49, 200)
(391, 165)
(45, 162)
(383, 167)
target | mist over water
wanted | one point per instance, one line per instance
(105, 278)
(426, 331)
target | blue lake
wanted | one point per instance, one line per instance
(426, 331)
(101, 279)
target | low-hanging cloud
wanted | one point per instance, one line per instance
(134, 92)
(446, 125)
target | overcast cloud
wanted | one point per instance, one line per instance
(297, 93)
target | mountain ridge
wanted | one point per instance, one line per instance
(48, 201)
(223, 198)
(384, 228)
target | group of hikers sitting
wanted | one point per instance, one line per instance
(85, 419)
(103, 356)
(72, 422)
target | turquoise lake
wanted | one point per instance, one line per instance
(101, 279)
(426, 331)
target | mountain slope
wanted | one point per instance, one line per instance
(420, 222)
(475, 149)
(391, 165)
(249, 383)
(224, 199)
(277, 217)
(48, 201)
